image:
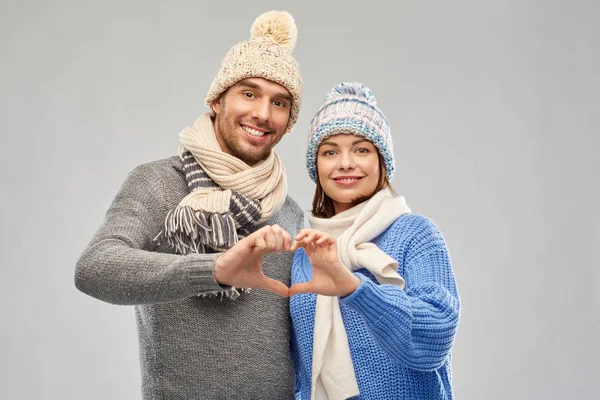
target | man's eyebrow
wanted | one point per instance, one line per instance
(285, 96)
(252, 85)
(247, 84)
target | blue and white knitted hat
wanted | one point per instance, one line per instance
(350, 108)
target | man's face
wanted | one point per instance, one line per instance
(251, 118)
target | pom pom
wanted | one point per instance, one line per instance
(351, 88)
(277, 25)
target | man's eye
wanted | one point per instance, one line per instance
(249, 95)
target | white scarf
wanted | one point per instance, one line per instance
(333, 374)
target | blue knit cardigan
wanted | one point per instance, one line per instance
(400, 340)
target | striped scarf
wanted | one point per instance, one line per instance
(227, 197)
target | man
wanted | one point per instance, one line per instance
(185, 235)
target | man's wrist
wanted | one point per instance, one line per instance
(218, 269)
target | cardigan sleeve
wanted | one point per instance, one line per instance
(118, 266)
(415, 326)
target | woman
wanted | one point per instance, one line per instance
(374, 302)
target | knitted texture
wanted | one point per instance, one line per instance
(190, 347)
(227, 196)
(400, 341)
(267, 54)
(350, 108)
(207, 221)
(246, 212)
(332, 365)
(264, 181)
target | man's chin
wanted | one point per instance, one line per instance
(251, 159)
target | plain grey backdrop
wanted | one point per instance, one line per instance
(495, 113)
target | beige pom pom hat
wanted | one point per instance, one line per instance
(267, 54)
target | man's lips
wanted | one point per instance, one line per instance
(254, 131)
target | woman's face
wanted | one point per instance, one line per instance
(348, 168)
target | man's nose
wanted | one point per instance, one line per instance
(262, 110)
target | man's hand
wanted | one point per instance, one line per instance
(241, 265)
(330, 276)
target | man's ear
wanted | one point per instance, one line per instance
(216, 105)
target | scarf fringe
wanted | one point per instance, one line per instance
(189, 231)
(231, 293)
(224, 232)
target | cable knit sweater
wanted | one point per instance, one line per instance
(400, 341)
(191, 347)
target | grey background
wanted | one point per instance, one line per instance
(494, 107)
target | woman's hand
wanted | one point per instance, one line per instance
(330, 276)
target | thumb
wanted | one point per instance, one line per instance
(305, 287)
(274, 286)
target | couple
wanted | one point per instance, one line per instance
(372, 296)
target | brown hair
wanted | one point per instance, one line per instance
(322, 205)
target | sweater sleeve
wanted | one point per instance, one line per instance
(416, 327)
(296, 358)
(118, 266)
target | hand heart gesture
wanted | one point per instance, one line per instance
(330, 276)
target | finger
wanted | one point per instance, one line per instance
(256, 234)
(271, 241)
(274, 241)
(323, 239)
(297, 244)
(311, 246)
(301, 234)
(278, 236)
(298, 288)
(287, 239)
(306, 242)
(301, 243)
(304, 232)
(274, 286)
(329, 242)
(308, 238)
(259, 243)
(278, 242)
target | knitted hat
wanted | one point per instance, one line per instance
(350, 108)
(267, 54)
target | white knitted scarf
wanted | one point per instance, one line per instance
(333, 374)
(227, 196)
(264, 181)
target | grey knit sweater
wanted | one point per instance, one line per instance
(191, 347)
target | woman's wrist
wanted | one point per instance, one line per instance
(353, 284)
